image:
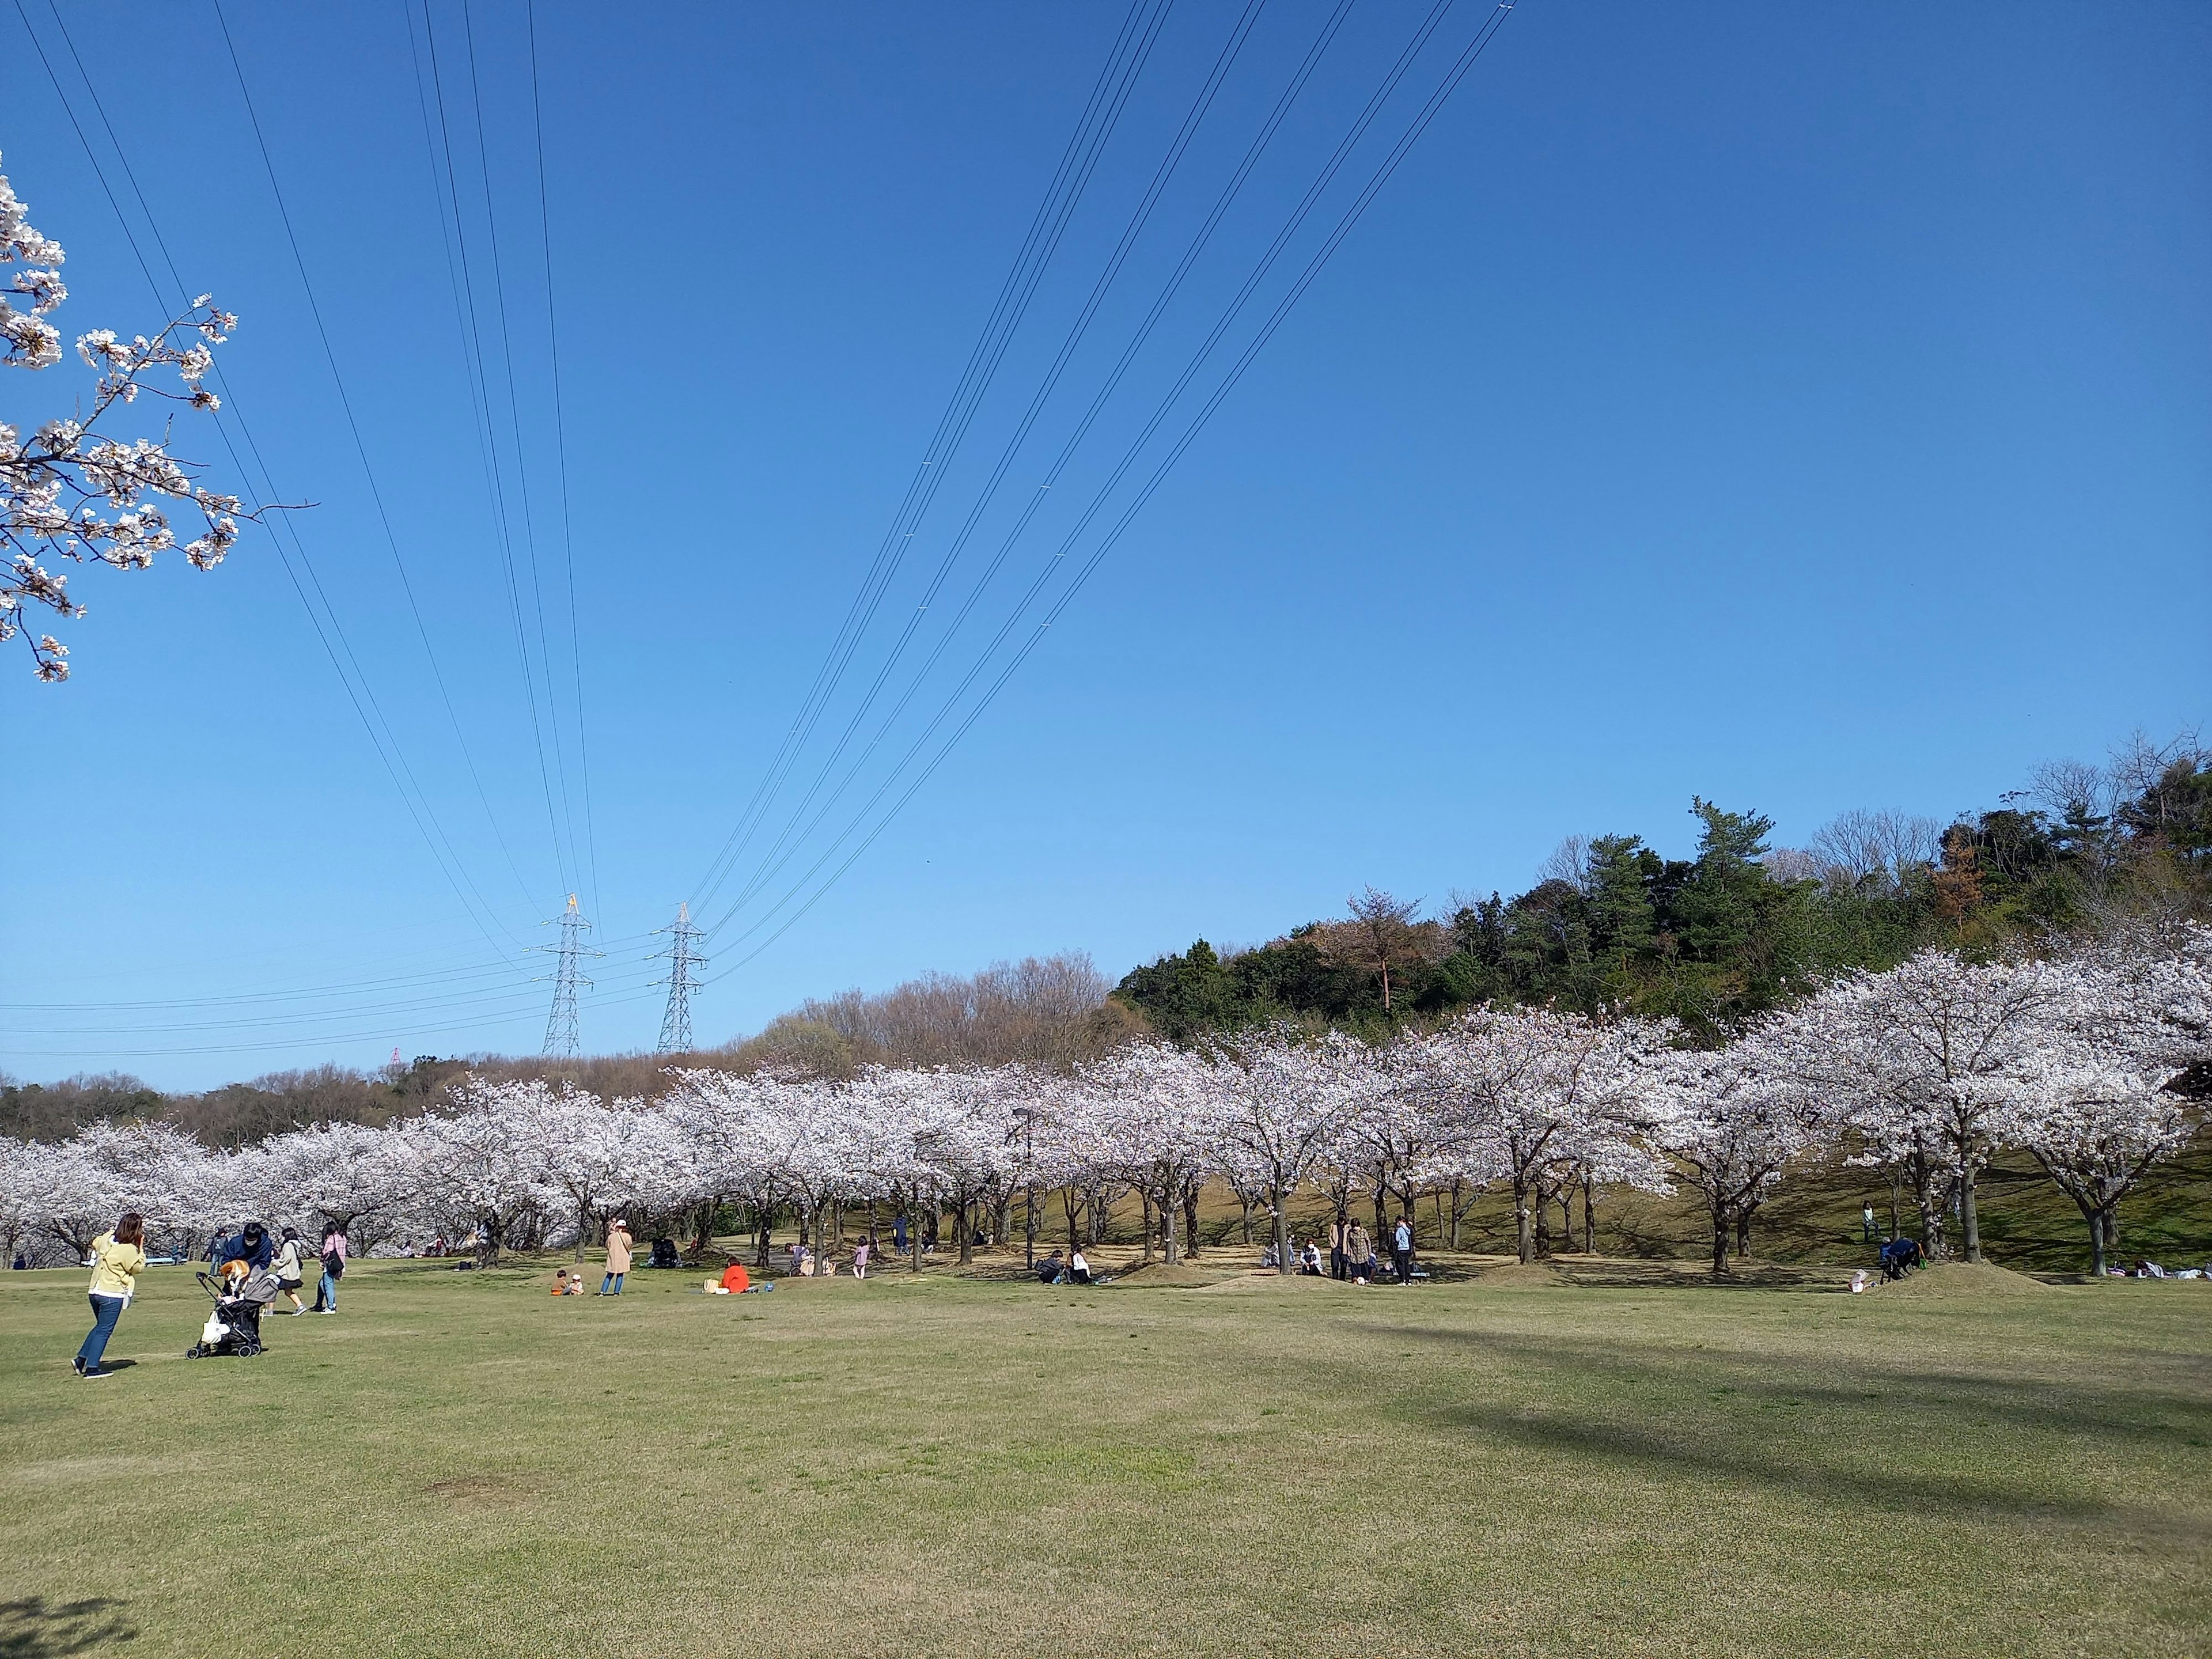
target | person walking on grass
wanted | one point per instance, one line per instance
(611, 1284)
(1866, 1221)
(335, 1252)
(861, 1259)
(1402, 1251)
(289, 1274)
(118, 1258)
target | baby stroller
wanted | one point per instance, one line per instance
(1898, 1255)
(233, 1327)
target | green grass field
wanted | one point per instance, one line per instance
(460, 1463)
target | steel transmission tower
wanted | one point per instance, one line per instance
(676, 1023)
(563, 1031)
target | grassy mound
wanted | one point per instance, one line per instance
(1523, 1274)
(1184, 1275)
(1963, 1279)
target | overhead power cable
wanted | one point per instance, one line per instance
(477, 368)
(353, 427)
(1109, 95)
(560, 457)
(795, 833)
(326, 622)
(1419, 124)
(1070, 342)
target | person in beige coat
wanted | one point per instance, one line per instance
(1361, 1249)
(618, 1257)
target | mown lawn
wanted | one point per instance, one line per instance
(459, 1463)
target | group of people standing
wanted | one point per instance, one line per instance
(1352, 1253)
(118, 1257)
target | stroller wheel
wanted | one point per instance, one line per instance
(192, 1352)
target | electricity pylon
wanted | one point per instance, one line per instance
(563, 1031)
(676, 1023)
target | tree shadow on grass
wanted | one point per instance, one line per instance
(35, 1628)
(2121, 1413)
(1739, 1462)
(1655, 1415)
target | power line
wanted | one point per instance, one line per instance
(479, 379)
(392, 757)
(1072, 339)
(1485, 34)
(771, 863)
(345, 403)
(1290, 225)
(1109, 95)
(515, 421)
(561, 454)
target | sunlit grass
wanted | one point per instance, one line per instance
(459, 1463)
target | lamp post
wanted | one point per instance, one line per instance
(1026, 1118)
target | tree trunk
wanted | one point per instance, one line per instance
(1168, 1244)
(1144, 1197)
(1970, 1220)
(1067, 1202)
(1743, 1231)
(966, 1208)
(1190, 1220)
(1521, 1219)
(914, 1230)
(1244, 1216)
(2096, 1242)
(1719, 1213)
(1455, 1186)
(1283, 1265)
(1589, 1216)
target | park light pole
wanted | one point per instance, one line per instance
(1026, 1118)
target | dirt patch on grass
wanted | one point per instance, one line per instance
(476, 1491)
(1964, 1279)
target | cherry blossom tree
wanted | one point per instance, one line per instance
(343, 1175)
(2091, 1102)
(72, 489)
(1158, 1120)
(1734, 1119)
(1538, 1089)
(480, 1168)
(1931, 1054)
(1285, 1101)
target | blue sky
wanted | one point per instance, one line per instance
(1805, 407)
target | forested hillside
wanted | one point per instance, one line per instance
(1742, 926)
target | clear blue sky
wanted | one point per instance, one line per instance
(1803, 406)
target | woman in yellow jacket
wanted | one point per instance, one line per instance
(118, 1258)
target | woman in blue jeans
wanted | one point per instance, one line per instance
(118, 1258)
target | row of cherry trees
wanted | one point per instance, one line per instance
(1926, 1072)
